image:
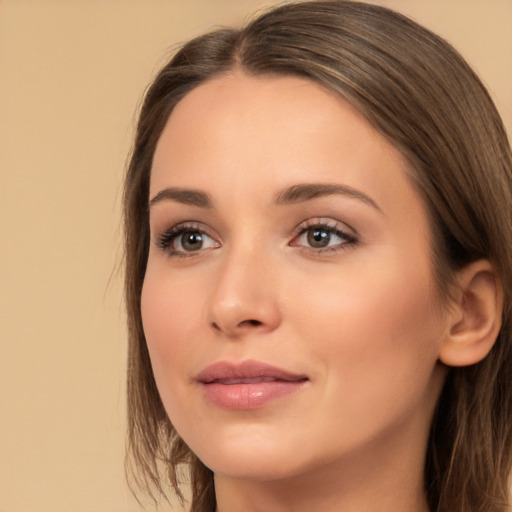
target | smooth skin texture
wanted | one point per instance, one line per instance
(332, 283)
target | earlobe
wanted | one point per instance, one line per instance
(475, 319)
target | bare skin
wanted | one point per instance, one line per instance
(254, 258)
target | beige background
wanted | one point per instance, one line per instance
(71, 74)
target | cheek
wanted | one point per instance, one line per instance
(170, 304)
(377, 334)
(170, 315)
(377, 306)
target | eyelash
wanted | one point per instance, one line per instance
(168, 237)
(332, 228)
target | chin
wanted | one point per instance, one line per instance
(256, 458)
(255, 468)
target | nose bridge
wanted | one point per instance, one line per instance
(244, 297)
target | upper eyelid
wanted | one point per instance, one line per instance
(313, 221)
(187, 224)
(166, 239)
(327, 222)
(176, 229)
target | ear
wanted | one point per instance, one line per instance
(475, 317)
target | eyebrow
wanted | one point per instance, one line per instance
(184, 196)
(308, 191)
(291, 195)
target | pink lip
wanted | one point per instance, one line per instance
(247, 385)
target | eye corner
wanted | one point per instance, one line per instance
(321, 236)
(174, 243)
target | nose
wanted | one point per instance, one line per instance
(244, 298)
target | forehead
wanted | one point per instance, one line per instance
(248, 135)
(262, 112)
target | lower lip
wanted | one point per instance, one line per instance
(249, 396)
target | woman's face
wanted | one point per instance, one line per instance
(289, 304)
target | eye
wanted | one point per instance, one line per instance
(183, 239)
(322, 236)
(192, 241)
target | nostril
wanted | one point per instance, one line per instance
(244, 323)
(254, 323)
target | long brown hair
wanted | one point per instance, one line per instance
(423, 97)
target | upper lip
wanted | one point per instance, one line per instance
(225, 372)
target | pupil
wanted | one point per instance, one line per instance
(191, 240)
(318, 238)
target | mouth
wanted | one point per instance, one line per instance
(247, 385)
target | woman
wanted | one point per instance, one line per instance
(318, 238)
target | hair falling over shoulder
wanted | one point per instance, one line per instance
(422, 96)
